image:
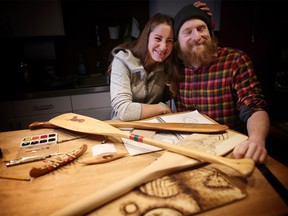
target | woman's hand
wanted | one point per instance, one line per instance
(203, 7)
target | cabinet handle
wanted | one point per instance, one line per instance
(43, 107)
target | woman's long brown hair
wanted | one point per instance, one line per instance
(139, 48)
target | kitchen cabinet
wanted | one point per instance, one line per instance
(31, 18)
(40, 109)
(18, 114)
(95, 105)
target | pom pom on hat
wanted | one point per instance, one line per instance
(190, 12)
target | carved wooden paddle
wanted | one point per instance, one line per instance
(183, 127)
(85, 124)
(171, 126)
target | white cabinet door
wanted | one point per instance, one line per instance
(95, 105)
(41, 109)
(42, 106)
(100, 114)
(91, 101)
(24, 122)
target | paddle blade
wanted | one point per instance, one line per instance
(84, 124)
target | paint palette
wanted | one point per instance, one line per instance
(43, 144)
(39, 140)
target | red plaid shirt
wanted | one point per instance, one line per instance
(221, 89)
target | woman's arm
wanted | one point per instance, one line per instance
(121, 93)
(122, 97)
(203, 6)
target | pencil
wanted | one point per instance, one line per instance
(15, 178)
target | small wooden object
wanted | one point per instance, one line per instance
(103, 158)
(55, 163)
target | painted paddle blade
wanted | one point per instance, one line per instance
(84, 124)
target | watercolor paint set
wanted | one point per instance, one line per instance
(37, 140)
(42, 144)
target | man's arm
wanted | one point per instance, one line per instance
(258, 126)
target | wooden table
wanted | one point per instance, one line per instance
(49, 193)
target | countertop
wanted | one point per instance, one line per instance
(83, 85)
(62, 92)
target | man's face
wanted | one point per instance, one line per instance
(194, 41)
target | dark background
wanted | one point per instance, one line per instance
(260, 28)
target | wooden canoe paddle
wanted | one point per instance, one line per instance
(171, 126)
(85, 124)
(182, 127)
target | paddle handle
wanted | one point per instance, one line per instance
(38, 125)
(182, 127)
(171, 126)
(244, 166)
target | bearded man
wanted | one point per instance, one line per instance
(219, 82)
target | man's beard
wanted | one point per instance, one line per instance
(203, 56)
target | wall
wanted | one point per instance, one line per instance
(80, 20)
(31, 18)
(171, 7)
(260, 29)
(53, 59)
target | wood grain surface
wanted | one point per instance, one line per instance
(74, 182)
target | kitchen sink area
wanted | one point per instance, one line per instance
(88, 95)
(67, 82)
(70, 85)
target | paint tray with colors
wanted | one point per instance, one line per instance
(42, 144)
(41, 139)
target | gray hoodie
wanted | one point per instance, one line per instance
(131, 85)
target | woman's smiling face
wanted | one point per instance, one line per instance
(160, 43)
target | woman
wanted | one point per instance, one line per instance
(140, 70)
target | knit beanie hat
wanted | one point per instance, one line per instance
(190, 12)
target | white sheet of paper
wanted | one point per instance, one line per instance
(136, 148)
(103, 149)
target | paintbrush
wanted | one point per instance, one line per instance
(15, 178)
